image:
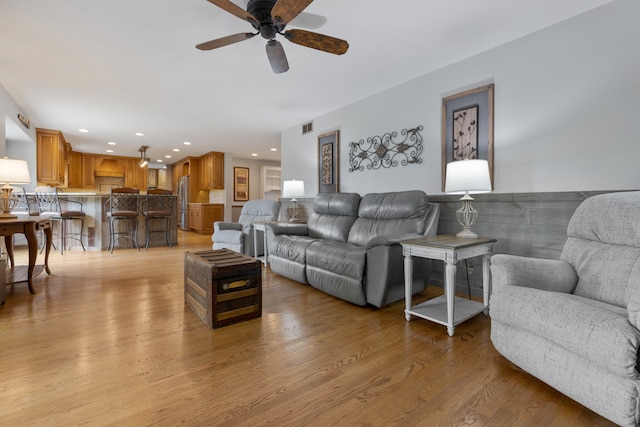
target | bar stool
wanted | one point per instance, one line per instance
(123, 206)
(49, 206)
(158, 204)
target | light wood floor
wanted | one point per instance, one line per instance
(108, 340)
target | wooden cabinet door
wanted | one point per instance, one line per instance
(50, 158)
(75, 170)
(206, 169)
(88, 171)
(134, 175)
(195, 217)
(218, 171)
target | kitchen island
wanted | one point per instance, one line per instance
(96, 223)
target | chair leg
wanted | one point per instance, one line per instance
(81, 231)
(147, 232)
(111, 235)
(167, 232)
(134, 236)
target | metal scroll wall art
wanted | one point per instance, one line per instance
(383, 151)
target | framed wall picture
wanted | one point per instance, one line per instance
(328, 153)
(240, 184)
(467, 128)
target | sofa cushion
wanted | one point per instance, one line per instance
(388, 214)
(343, 259)
(591, 329)
(291, 247)
(606, 272)
(333, 215)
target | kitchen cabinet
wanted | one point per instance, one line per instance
(74, 172)
(88, 171)
(203, 215)
(212, 171)
(134, 175)
(50, 157)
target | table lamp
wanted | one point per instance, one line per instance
(14, 172)
(467, 177)
(292, 189)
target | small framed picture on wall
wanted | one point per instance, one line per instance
(240, 184)
(328, 154)
(467, 128)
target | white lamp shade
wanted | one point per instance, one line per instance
(292, 189)
(14, 171)
(468, 176)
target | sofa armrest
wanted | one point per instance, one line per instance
(288, 228)
(221, 225)
(228, 236)
(544, 274)
(389, 240)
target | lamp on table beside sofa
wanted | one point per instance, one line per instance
(292, 189)
(467, 177)
(15, 172)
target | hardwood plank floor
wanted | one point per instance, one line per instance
(108, 340)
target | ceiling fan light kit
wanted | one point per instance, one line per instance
(269, 18)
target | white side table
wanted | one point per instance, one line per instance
(448, 309)
(260, 227)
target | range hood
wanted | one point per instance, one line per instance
(109, 168)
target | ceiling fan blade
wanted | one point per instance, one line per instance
(317, 41)
(277, 58)
(309, 21)
(285, 10)
(224, 41)
(236, 10)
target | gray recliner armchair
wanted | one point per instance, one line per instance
(574, 323)
(238, 236)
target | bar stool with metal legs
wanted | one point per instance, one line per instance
(123, 207)
(49, 206)
(158, 204)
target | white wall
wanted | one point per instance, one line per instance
(566, 113)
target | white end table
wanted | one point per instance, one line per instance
(261, 227)
(448, 309)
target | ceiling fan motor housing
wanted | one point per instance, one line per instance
(261, 10)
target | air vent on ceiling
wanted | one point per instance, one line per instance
(306, 128)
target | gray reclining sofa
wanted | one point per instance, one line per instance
(349, 247)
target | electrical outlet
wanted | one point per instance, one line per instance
(470, 267)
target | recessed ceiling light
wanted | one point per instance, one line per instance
(168, 156)
(254, 154)
(159, 160)
(274, 149)
(109, 151)
(139, 134)
(176, 149)
(83, 130)
(111, 143)
(186, 143)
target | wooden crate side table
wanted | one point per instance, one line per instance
(222, 286)
(448, 309)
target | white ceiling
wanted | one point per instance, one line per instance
(123, 66)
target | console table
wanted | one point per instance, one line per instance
(448, 309)
(29, 226)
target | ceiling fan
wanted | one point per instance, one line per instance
(269, 18)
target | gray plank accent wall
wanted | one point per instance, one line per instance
(527, 224)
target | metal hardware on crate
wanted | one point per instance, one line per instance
(382, 151)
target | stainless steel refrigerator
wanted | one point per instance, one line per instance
(183, 203)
